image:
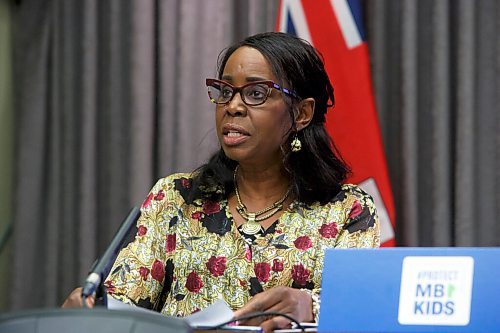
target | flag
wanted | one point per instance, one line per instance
(335, 28)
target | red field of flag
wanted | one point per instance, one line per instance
(334, 28)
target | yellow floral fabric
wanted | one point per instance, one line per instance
(186, 256)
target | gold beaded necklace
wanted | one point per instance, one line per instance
(251, 225)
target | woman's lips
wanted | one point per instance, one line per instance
(234, 138)
(234, 134)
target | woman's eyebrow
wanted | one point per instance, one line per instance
(256, 78)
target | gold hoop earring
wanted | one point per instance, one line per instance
(296, 144)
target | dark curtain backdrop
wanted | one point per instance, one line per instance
(436, 73)
(110, 96)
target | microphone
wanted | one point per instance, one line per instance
(102, 266)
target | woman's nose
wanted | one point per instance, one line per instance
(236, 106)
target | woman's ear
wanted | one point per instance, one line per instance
(305, 113)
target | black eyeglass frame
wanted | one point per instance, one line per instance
(270, 84)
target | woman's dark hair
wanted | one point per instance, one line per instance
(316, 171)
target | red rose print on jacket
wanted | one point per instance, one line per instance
(158, 271)
(170, 243)
(185, 183)
(196, 215)
(160, 195)
(248, 254)
(329, 230)
(300, 274)
(193, 282)
(147, 202)
(211, 207)
(141, 231)
(144, 272)
(216, 265)
(262, 270)
(303, 243)
(277, 265)
(355, 209)
(110, 288)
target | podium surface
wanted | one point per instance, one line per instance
(89, 320)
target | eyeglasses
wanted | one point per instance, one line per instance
(252, 94)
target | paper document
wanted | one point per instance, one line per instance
(214, 315)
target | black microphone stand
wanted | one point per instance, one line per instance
(101, 267)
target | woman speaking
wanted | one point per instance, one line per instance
(251, 225)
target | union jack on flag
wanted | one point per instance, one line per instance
(335, 28)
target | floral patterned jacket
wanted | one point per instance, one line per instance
(186, 256)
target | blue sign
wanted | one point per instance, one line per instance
(411, 290)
